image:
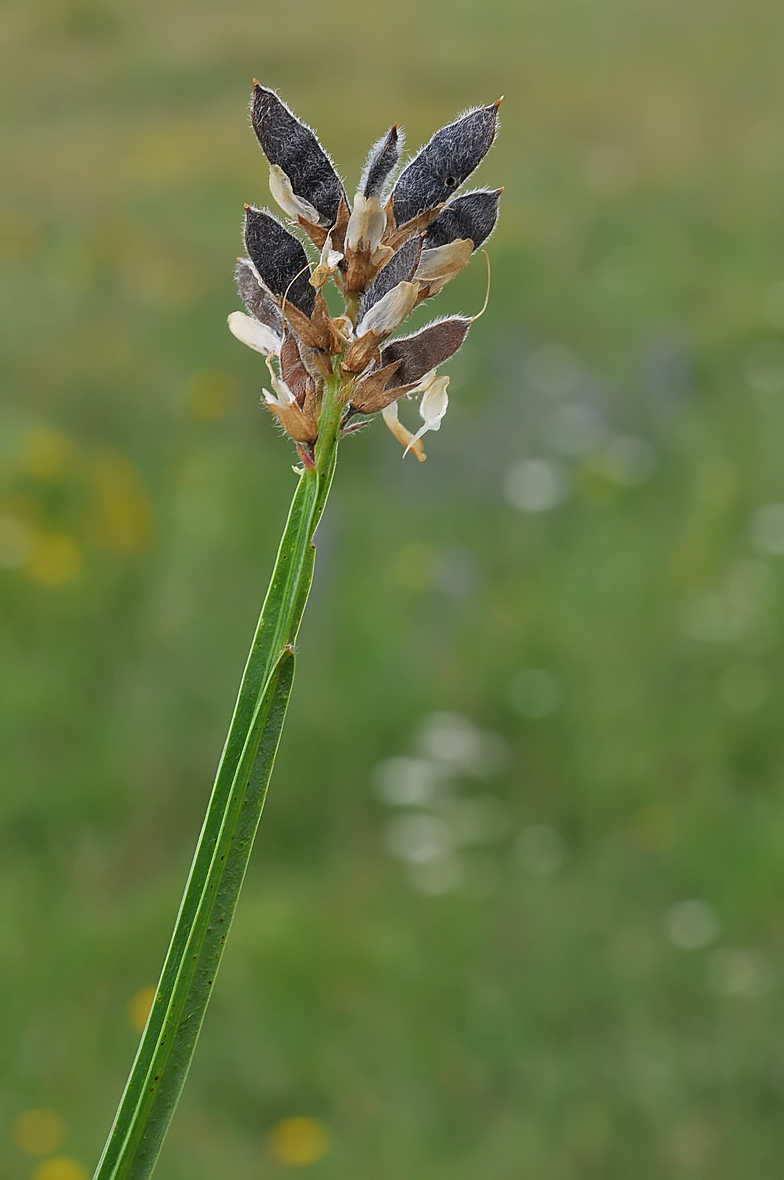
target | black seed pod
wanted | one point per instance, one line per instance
(472, 216)
(382, 160)
(256, 298)
(444, 163)
(287, 142)
(279, 258)
(425, 350)
(399, 269)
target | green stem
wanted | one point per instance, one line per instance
(218, 869)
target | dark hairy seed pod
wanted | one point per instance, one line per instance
(444, 163)
(289, 143)
(399, 269)
(472, 216)
(382, 160)
(279, 258)
(431, 346)
(258, 301)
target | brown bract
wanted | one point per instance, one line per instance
(298, 424)
(371, 394)
(293, 370)
(319, 331)
(318, 233)
(361, 268)
(394, 236)
(361, 352)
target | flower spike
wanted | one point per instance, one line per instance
(386, 254)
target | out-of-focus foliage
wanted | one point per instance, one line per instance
(517, 906)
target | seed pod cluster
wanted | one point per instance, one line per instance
(396, 244)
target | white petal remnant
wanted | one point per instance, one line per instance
(344, 327)
(299, 423)
(390, 311)
(292, 205)
(327, 263)
(253, 333)
(442, 263)
(433, 406)
(403, 436)
(284, 395)
(366, 224)
(434, 403)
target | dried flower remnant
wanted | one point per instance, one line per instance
(397, 244)
(368, 220)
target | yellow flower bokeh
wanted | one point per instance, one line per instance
(55, 559)
(139, 1008)
(299, 1141)
(61, 1167)
(210, 393)
(39, 1132)
(123, 507)
(46, 453)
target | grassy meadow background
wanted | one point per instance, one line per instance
(517, 905)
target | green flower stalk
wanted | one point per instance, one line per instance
(397, 245)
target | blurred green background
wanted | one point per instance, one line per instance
(517, 905)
